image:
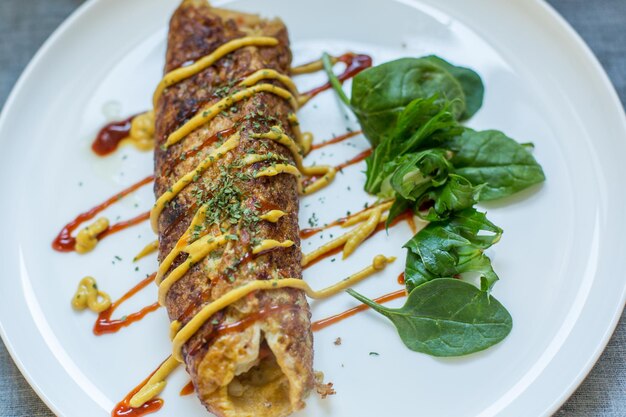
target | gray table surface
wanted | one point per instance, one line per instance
(25, 24)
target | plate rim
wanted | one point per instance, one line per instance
(617, 104)
(542, 6)
(8, 104)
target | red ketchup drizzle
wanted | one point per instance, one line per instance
(187, 389)
(337, 139)
(202, 298)
(360, 157)
(324, 256)
(363, 155)
(180, 218)
(355, 63)
(312, 231)
(110, 136)
(265, 206)
(64, 242)
(320, 324)
(411, 221)
(124, 225)
(123, 408)
(105, 325)
(401, 278)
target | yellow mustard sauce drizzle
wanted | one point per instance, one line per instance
(141, 134)
(362, 232)
(207, 114)
(236, 294)
(270, 74)
(184, 240)
(254, 158)
(272, 216)
(281, 169)
(303, 99)
(354, 237)
(197, 251)
(364, 215)
(89, 296)
(180, 74)
(268, 244)
(188, 178)
(155, 384)
(174, 328)
(147, 250)
(311, 67)
(328, 173)
(304, 140)
(87, 238)
(277, 135)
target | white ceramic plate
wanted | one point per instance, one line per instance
(560, 260)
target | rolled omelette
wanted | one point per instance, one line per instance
(236, 219)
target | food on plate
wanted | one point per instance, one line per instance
(426, 162)
(225, 216)
(229, 172)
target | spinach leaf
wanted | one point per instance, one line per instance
(492, 158)
(399, 206)
(447, 317)
(416, 173)
(415, 272)
(425, 122)
(381, 93)
(423, 158)
(452, 247)
(424, 181)
(456, 194)
(470, 81)
(435, 124)
(421, 188)
(379, 165)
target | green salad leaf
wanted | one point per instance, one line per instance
(380, 94)
(447, 317)
(427, 162)
(470, 81)
(432, 123)
(455, 195)
(495, 160)
(424, 123)
(452, 247)
(411, 175)
(399, 206)
(423, 180)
